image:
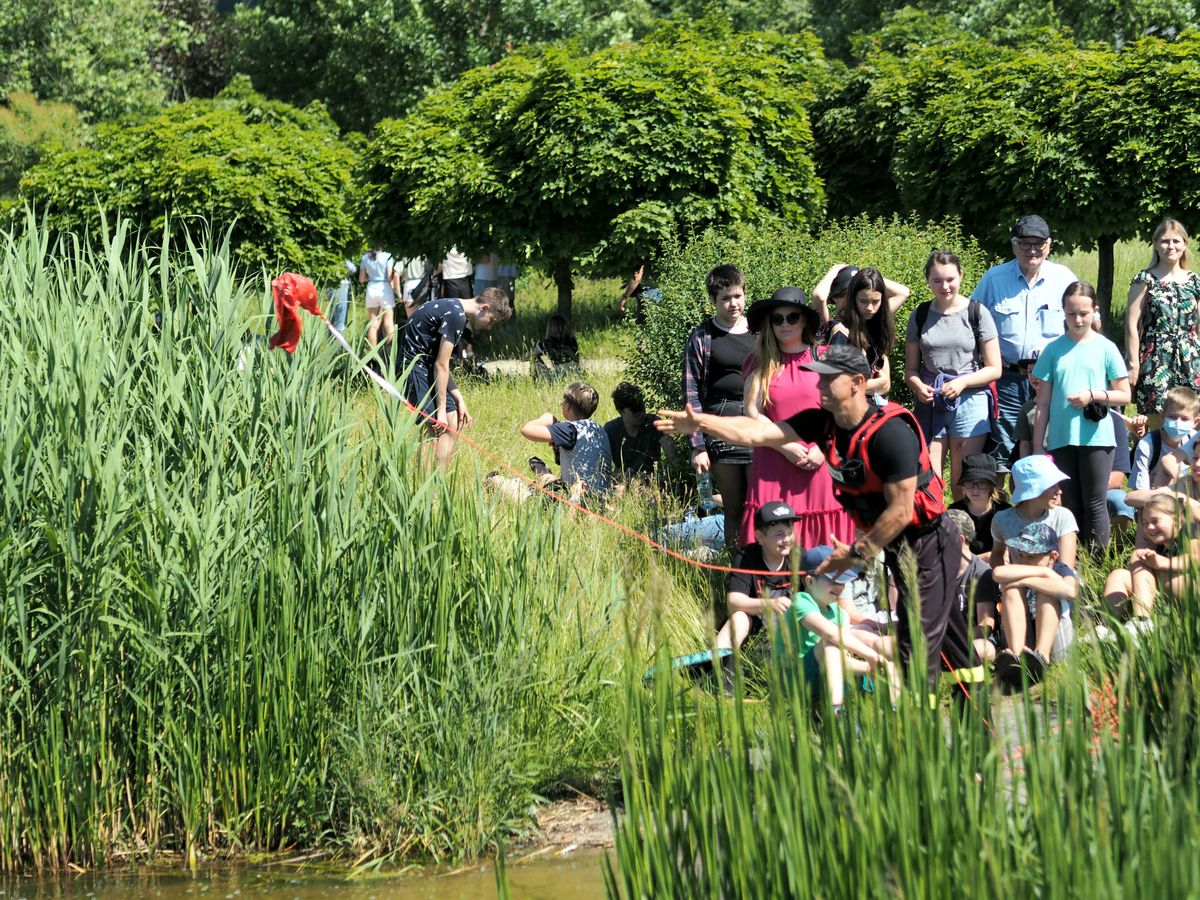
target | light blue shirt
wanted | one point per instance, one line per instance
(1027, 316)
(1070, 367)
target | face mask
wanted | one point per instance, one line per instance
(1178, 429)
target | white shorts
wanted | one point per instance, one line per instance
(380, 295)
(408, 288)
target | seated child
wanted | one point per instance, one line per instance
(1174, 545)
(634, 442)
(976, 588)
(1036, 491)
(1036, 594)
(579, 443)
(819, 630)
(557, 354)
(1158, 457)
(748, 596)
(982, 498)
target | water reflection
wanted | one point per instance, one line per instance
(576, 877)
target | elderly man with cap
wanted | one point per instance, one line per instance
(882, 476)
(1024, 296)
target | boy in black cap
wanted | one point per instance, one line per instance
(883, 477)
(748, 596)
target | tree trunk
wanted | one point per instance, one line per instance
(565, 284)
(1104, 286)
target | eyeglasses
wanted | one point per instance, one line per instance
(792, 318)
(1036, 244)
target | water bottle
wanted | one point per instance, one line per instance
(704, 488)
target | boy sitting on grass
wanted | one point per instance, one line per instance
(976, 588)
(1036, 595)
(579, 443)
(819, 630)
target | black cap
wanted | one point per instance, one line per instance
(841, 281)
(757, 314)
(840, 359)
(979, 467)
(770, 513)
(1031, 227)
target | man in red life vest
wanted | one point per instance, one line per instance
(882, 476)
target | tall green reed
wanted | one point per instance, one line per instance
(767, 800)
(236, 610)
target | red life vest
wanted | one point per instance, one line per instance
(859, 487)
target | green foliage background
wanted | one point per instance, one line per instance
(771, 257)
(589, 162)
(278, 177)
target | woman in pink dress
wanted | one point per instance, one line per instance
(777, 387)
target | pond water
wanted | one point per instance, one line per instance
(577, 876)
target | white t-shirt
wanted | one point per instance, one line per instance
(455, 265)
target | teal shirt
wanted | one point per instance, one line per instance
(804, 638)
(1070, 367)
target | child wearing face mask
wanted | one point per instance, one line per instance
(1153, 461)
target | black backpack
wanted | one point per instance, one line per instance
(428, 288)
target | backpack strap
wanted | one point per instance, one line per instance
(1155, 449)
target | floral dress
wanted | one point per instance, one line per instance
(1170, 347)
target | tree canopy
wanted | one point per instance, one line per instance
(279, 178)
(588, 162)
(988, 131)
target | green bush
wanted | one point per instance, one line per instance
(276, 176)
(772, 257)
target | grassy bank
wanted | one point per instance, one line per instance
(237, 612)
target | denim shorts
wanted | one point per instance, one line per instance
(970, 417)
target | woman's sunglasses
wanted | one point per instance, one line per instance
(792, 318)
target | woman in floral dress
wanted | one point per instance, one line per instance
(1161, 335)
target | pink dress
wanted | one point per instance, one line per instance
(773, 477)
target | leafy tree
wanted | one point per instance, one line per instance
(1097, 141)
(277, 177)
(26, 126)
(95, 54)
(588, 162)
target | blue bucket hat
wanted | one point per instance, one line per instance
(817, 555)
(1033, 475)
(1035, 538)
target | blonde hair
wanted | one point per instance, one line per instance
(1163, 227)
(769, 356)
(1183, 398)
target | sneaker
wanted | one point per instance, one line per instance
(1008, 668)
(1035, 665)
(1139, 626)
(538, 465)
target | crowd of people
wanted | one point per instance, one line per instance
(789, 424)
(787, 410)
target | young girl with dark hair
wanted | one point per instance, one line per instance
(867, 324)
(1082, 375)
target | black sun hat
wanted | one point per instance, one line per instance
(793, 297)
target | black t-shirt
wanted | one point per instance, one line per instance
(633, 456)
(751, 557)
(982, 544)
(724, 376)
(894, 451)
(433, 322)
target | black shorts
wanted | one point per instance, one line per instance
(722, 451)
(419, 391)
